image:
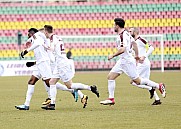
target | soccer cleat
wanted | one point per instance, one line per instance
(47, 101)
(94, 90)
(49, 107)
(109, 101)
(162, 90)
(75, 94)
(157, 102)
(151, 93)
(84, 100)
(22, 107)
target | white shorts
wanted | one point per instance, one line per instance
(36, 73)
(144, 70)
(128, 68)
(65, 73)
(53, 66)
(42, 70)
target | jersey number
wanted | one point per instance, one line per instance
(62, 47)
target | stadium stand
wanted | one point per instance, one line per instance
(94, 18)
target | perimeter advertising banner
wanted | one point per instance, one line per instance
(15, 68)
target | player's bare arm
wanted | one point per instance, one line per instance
(135, 48)
(120, 51)
(149, 52)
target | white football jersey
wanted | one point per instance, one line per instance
(40, 52)
(141, 43)
(57, 44)
(124, 39)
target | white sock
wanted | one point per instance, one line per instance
(63, 87)
(53, 93)
(142, 86)
(148, 82)
(47, 89)
(156, 96)
(80, 86)
(111, 88)
(29, 94)
(80, 94)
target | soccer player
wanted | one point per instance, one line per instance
(143, 66)
(126, 64)
(42, 63)
(59, 86)
(63, 69)
(37, 75)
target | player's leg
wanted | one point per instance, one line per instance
(144, 71)
(53, 93)
(47, 100)
(64, 88)
(84, 99)
(81, 86)
(145, 81)
(157, 99)
(150, 89)
(46, 73)
(131, 71)
(146, 74)
(113, 74)
(29, 93)
(67, 73)
(66, 76)
(59, 86)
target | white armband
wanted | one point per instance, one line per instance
(150, 50)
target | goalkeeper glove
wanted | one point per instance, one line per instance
(23, 53)
(29, 64)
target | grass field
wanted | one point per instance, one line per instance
(133, 109)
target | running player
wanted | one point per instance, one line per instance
(143, 66)
(63, 70)
(126, 64)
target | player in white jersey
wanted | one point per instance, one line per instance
(143, 66)
(63, 70)
(37, 75)
(42, 63)
(59, 86)
(126, 64)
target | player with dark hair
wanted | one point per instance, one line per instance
(39, 71)
(126, 64)
(42, 63)
(63, 70)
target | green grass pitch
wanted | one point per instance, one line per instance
(133, 109)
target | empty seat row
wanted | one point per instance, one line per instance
(90, 9)
(90, 16)
(67, 39)
(94, 23)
